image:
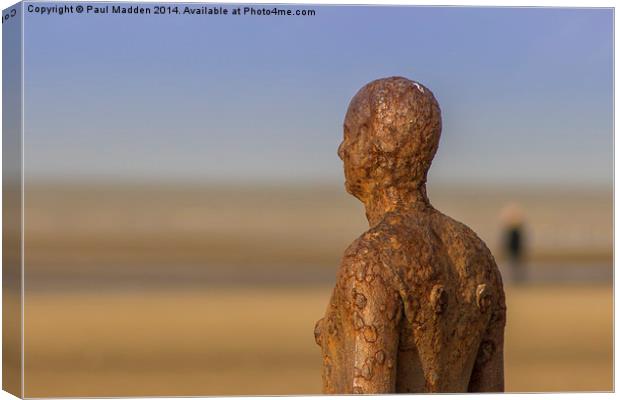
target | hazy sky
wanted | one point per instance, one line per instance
(526, 93)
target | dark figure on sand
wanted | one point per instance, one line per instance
(419, 303)
(514, 241)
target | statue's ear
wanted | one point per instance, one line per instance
(364, 135)
(386, 139)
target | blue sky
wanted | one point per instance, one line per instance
(526, 93)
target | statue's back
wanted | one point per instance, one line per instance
(453, 303)
(422, 291)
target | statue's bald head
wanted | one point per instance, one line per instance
(391, 134)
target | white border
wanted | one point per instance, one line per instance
(477, 3)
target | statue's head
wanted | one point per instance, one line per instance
(391, 134)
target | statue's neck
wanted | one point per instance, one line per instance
(393, 200)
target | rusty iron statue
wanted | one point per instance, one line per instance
(419, 303)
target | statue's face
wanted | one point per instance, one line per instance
(354, 152)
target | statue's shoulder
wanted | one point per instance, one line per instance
(467, 251)
(456, 234)
(369, 244)
(366, 258)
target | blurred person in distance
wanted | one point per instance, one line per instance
(513, 240)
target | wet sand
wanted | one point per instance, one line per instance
(130, 228)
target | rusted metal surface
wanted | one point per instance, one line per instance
(419, 303)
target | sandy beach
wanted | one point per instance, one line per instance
(246, 341)
(215, 291)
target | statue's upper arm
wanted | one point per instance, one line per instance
(372, 321)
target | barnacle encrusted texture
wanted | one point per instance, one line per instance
(418, 304)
